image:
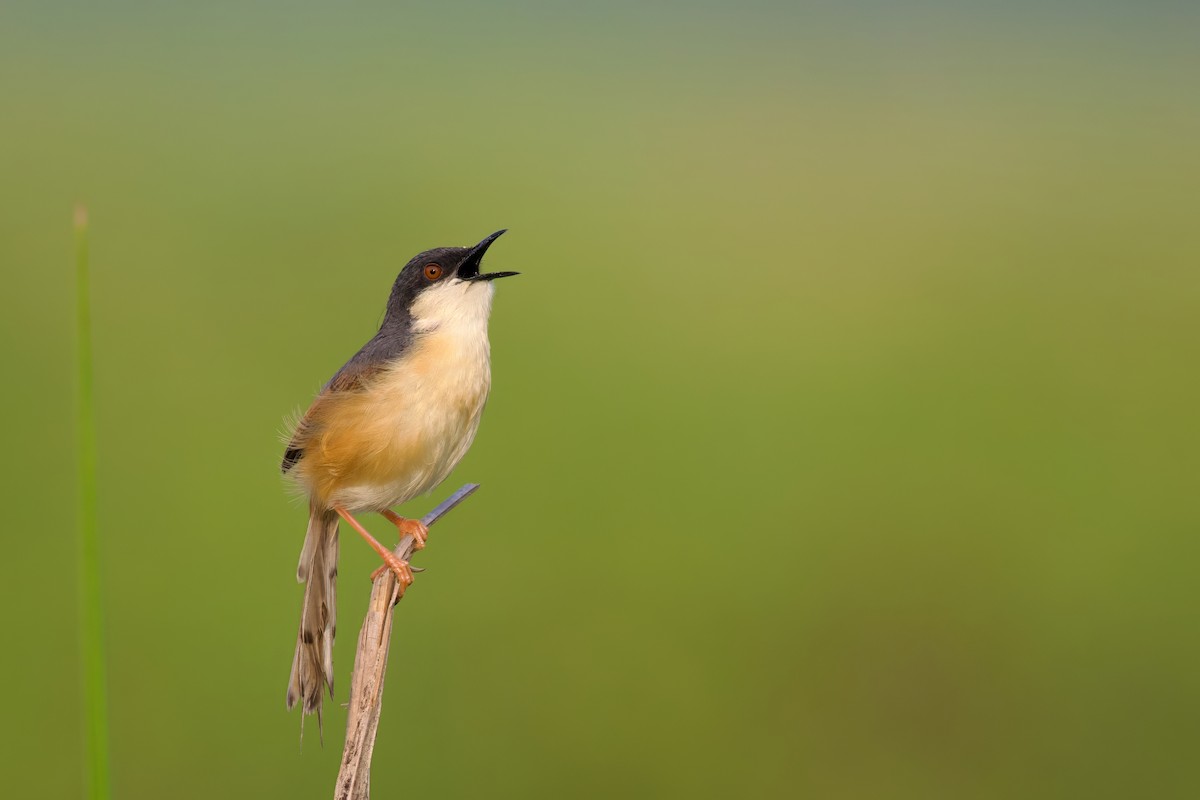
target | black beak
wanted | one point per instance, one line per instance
(469, 269)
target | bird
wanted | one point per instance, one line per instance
(390, 425)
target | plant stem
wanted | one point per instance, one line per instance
(91, 614)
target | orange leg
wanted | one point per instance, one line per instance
(401, 568)
(411, 527)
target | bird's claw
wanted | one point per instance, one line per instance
(404, 572)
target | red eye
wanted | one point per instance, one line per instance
(433, 272)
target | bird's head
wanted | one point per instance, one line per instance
(443, 284)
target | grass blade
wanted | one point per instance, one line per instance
(91, 616)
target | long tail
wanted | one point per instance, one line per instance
(313, 663)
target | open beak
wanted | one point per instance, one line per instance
(469, 269)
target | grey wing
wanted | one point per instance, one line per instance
(349, 378)
(384, 348)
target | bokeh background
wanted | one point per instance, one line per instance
(843, 439)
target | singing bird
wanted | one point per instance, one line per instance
(388, 426)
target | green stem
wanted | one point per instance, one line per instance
(91, 615)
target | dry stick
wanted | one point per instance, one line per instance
(370, 666)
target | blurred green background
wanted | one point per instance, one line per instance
(843, 437)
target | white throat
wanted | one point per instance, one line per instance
(456, 308)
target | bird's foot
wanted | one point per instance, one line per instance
(390, 560)
(403, 571)
(408, 527)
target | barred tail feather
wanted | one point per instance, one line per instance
(312, 665)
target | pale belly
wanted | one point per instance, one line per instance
(421, 462)
(406, 433)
